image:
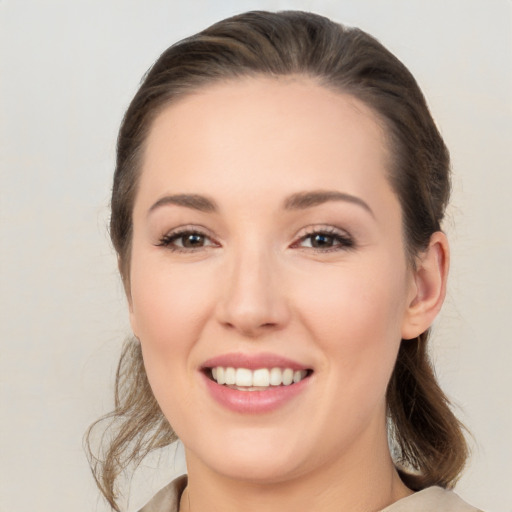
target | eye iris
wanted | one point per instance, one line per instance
(322, 240)
(193, 240)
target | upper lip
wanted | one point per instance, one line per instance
(253, 361)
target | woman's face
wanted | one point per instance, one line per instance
(268, 240)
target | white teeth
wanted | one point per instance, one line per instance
(276, 376)
(260, 378)
(230, 376)
(243, 377)
(221, 379)
(287, 376)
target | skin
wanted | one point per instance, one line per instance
(254, 283)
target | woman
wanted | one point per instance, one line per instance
(276, 211)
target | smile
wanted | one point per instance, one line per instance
(255, 383)
(245, 379)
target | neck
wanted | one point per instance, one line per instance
(358, 483)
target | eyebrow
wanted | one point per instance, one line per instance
(303, 200)
(193, 201)
(297, 201)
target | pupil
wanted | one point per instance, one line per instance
(322, 240)
(193, 240)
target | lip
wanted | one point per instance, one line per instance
(253, 402)
(253, 361)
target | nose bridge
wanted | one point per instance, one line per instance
(252, 299)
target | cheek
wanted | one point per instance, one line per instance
(169, 307)
(347, 301)
(355, 315)
(169, 303)
(168, 312)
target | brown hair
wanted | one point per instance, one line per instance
(426, 438)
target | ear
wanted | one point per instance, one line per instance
(428, 287)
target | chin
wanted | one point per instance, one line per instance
(250, 459)
(257, 472)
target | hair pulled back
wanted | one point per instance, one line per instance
(426, 438)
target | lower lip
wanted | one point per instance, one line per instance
(254, 402)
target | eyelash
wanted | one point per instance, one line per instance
(341, 241)
(168, 240)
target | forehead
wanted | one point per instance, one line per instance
(274, 133)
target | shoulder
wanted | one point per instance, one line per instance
(432, 499)
(168, 498)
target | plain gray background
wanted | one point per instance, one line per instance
(68, 70)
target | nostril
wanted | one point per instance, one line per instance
(250, 329)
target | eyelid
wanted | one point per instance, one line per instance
(175, 233)
(343, 236)
(321, 228)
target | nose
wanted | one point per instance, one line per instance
(253, 299)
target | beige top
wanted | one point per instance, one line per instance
(432, 499)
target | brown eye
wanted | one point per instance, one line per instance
(322, 240)
(192, 240)
(186, 241)
(325, 241)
